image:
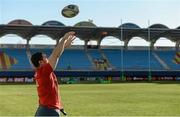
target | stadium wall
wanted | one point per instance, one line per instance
(96, 73)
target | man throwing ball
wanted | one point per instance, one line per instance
(47, 86)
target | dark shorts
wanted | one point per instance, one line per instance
(44, 111)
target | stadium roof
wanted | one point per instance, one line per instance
(88, 31)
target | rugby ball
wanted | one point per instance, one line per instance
(70, 11)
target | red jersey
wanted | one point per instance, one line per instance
(47, 87)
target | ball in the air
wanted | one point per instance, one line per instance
(70, 11)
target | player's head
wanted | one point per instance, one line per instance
(38, 59)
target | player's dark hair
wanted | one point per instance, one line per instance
(35, 58)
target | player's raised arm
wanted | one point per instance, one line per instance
(65, 42)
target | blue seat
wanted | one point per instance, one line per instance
(168, 56)
(132, 59)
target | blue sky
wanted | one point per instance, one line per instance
(106, 13)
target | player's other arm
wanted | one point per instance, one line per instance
(58, 50)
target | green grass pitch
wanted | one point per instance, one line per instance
(122, 99)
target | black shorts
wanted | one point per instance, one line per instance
(44, 111)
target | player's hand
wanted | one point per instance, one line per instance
(66, 35)
(68, 38)
(69, 41)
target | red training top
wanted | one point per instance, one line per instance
(47, 87)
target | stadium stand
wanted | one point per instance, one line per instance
(76, 59)
(132, 59)
(20, 56)
(114, 62)
(74, 63)
(168, 56)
